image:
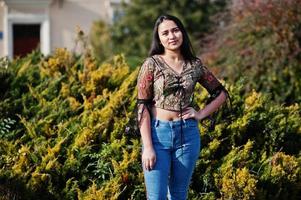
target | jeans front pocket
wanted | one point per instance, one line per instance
(191, 123)
(161, 135)
(191, 131)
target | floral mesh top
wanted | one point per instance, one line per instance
(169, 90)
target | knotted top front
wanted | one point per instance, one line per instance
(170, 90)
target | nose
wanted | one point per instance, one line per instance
(172, 35)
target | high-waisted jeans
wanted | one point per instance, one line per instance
(175, 159)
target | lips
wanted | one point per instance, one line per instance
(173, 42)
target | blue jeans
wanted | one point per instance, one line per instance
(170, 177)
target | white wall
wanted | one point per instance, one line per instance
(65, 17)
(58, 18)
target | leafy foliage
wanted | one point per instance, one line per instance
(69, 137)
(262, 43)
(66, 131)
(132, 33)
(59, 113)
(101, 40)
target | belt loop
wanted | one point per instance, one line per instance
(185, 123)
(156, 123)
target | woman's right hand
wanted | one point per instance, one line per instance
(148, 158)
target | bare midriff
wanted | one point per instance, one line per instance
(163, 114)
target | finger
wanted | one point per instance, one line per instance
(146, 164)
(184, 116)
(187, 116)
(188, 108)
(152, 163)
(185, 113)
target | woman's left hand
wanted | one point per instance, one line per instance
(190, 113)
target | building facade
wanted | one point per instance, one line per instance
(48, 24)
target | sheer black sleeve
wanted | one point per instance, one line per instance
(145, 83)
(209, 81)
(214, 88)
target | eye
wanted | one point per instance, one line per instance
(164, 33)
(175, 30)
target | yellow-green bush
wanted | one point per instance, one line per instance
(69, 141)
(67, 121)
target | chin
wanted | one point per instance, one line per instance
(174, 49)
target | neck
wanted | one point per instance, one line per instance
(173, 55)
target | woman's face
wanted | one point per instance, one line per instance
(170, 35)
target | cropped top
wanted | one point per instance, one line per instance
(167, 89)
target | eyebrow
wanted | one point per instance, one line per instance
(176, 27)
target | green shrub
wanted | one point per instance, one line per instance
(262, 43)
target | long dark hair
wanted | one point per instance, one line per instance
(186, 47)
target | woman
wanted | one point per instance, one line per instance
(167, 121)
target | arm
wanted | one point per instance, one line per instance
(144, 126)
(207, 110)
(145, 95)
(215, 89)
(212, 106)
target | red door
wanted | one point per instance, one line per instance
(26, 38)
